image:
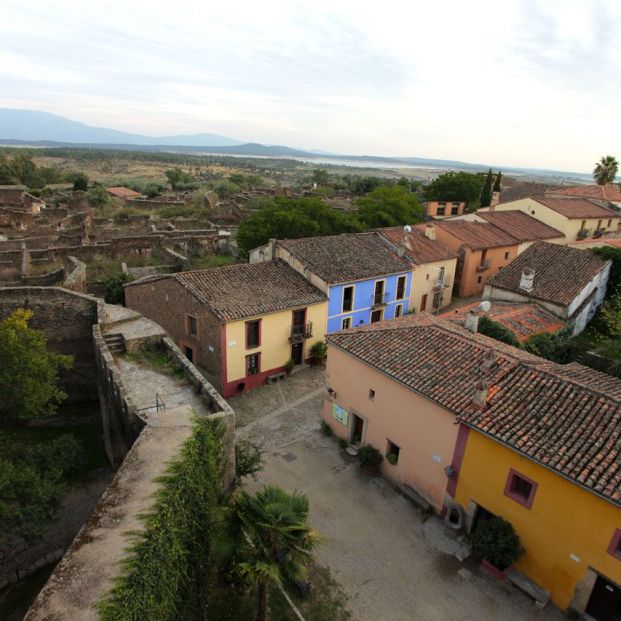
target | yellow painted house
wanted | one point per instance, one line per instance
(575, 217)
(241, 324)
(544, 453)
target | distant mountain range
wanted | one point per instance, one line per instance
(31, 127)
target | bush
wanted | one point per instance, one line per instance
(80, 182)
(325, 428)
(553, 346)
(248, 459)
(370, 457)
(496, 541)
(115, 293)
(497, 331)
(318, 352)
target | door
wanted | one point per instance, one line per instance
(423, 303)
(189, 354)
(357, 427)
(297, 353)
(605, 601)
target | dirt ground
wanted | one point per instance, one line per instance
(392, 562)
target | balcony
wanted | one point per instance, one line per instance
(484, 265)
(301, 332)
(583, 233)
(379, 299)
(441, 284)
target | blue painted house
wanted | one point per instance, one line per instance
(365, 279)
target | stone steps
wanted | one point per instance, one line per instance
(115, 343)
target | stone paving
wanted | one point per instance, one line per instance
(394, 564)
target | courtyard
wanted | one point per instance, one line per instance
(392, 562)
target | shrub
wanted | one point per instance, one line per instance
(115, 293)
(553, 346)
(318, 352)
(248, 459)
(496, 541)
(289, 365)
(392, 458)
(497, 331)
(370, 457)
(325, 428)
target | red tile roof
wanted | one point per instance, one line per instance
(561, 272)
(419, 248)
(577, 207)
(245, 290)
(477, 235)
(608, 192)
(567, 419)
(121, 192)
(520, 225)
(347, 258)
(524, 320)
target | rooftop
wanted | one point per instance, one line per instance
(520, 225)
(419, 248)
(608, 192)
(477, 235)
(577, 207)
(524, 320)
(234, 292)
(561, 272)
(565, 418)
(122, 192)
(346, 258)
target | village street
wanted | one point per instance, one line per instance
(392, 562)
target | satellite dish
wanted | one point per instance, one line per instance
(485, 306)
(407, 228)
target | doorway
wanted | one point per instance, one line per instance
(605, 601)
(297, 353)
(357, 429)
(189, 354)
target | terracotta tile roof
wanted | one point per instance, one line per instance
(524, 320)
(566, 419)
(561, 272)
(249, 289)
(577, 207)
(121, 192)
(520, 225)
(419, 248)
(477, 235)
(519, 190)
(346, 258)
(608, 192)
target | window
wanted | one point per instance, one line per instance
(427, 276)
(506, 255)
(480, 279)
(615, 544)
(191, 325)
(398, 310)
(401, 287)
(520, 488)
(392, 453)
(253, 334)
(609, 223)
(346, 323)
(371, 394)
(377, 315)
(378, 294)
(455, 209)
(189, 354)
(348, 299)
(440, 210)
(437, 299)
(253, 364)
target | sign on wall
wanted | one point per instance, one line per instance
(341, 414)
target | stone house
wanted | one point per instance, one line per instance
(570, 283)
(241, 324)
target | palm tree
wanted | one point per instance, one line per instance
(270, 531)
(605, 170)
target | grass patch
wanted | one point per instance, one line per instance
(326, 601)
(156, 359)
(212, 260)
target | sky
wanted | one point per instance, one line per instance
(517, 83)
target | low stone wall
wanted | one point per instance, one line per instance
(74, 275)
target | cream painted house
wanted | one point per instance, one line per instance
(576, 218)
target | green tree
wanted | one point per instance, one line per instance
(609, 319)
(178, 178)
(605, 170)
(28, 372)
(553, 346)
(389, 206)
(320, 176)
(287, 218)
(269, 536)
(114, 291)
(80, 182)
(456, 186)
(498, 182)
(609, 253)
(98, 196)
(486, 192)
(497, 331)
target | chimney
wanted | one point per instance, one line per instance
(273, 249)
(430, 231)
(406, 241)
(489, 359)
(479, 397)
(527, 278)
(495, 201)
(471, 322)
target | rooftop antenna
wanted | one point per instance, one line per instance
(407, 229)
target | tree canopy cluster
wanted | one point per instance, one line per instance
(21, 169)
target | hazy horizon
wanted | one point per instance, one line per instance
(526, 84)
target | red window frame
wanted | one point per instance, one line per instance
(525, 502)
(614, 549)
(259, 337)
